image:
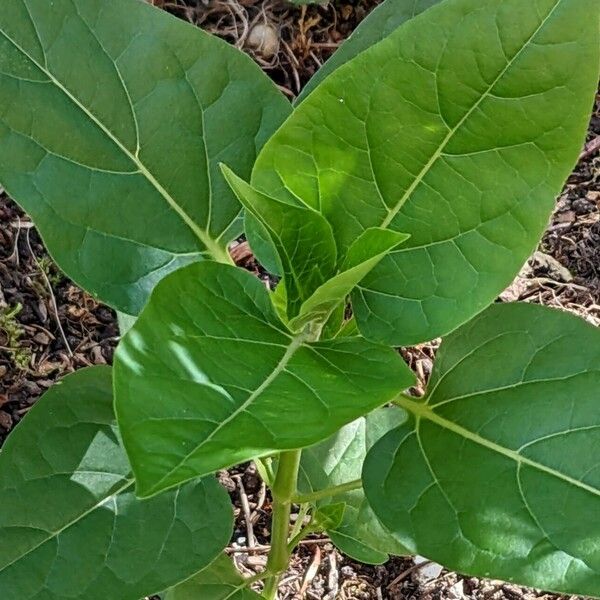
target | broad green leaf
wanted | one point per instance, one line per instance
(302, 237)
(497, 471)
(70, 524)
(378, 24)
(114, 118)
(459, 129)
(339, 460)
(219, 581)
(209, 377)
(366, 252)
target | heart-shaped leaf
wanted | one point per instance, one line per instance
(114, 118)
(70, 524)
(339, 460)
(379, 23)
(497, 471)
(219, 581)
(209, 377)
(459, 129)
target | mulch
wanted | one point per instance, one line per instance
(49, 327)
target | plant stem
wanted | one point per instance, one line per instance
(310, 528)
(304, 510)
(218, 254)
(284, 489)
(328, 492)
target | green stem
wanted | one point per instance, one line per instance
(304, 509)
(217, 252)
(284, 489)
(310, 528)
(270, 590)
(258, 577)
(328, 492)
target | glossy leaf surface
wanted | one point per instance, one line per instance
(219, 581)
(378, 24)
(209, 377)
(497, 471)
(339, 460)
(70, 524)
(459, 129)
(114, 118)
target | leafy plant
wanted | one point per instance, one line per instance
(396, 201)
(13, 333)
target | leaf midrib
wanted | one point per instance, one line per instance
(423, 411)
(392, 212)
(294, 345)
(201, 234)
(128, 483)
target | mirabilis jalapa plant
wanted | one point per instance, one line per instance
(411, 183)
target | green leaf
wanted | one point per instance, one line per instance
(378, 24)
(330, 516)
(114, 118)
(497, 472)
(302, 237)
(261, 244)
(339, 460)
(125, 322)
(70, 524)
(366, 252)
(335, 322)
(219, 581)
(209, 377)
(459, 129)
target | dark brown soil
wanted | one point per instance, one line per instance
(49, 327)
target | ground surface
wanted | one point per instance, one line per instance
(49, 327)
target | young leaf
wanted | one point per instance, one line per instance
(261, 244)
(114, 118)
(363, 256)
(70, 524)
(209, 377)
(330, 516)
(219, 581)
(459, 129)
(378, 24)
(497, 472)
(302, 237)
(339, 460)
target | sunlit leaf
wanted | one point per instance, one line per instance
(209, 377)
(497, 471)
(459, 129)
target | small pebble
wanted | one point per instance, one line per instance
(264, 39)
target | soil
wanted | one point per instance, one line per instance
(49, 327)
